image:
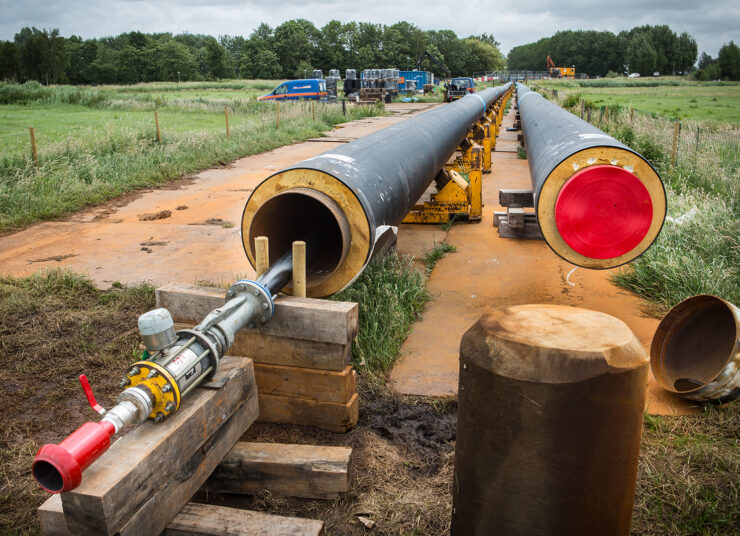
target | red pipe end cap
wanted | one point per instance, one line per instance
(56, 470)
(603, 212)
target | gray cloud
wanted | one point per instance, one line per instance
(513, 22)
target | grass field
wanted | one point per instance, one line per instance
(703, 101)
(95, 143)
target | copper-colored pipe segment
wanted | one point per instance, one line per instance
(696, 350)
(550, 407)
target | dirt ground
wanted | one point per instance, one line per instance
(56, 328)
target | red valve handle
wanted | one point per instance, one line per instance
(90, 396)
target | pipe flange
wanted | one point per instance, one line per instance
(261, 293)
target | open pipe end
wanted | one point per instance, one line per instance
(696, 349)
(58, 468)
(603, 212)
(296, 214)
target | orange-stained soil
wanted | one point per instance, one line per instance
(487, 271)
(188, 231)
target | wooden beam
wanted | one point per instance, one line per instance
(298, 318)
(274, 350)
(162, 507)
(304, 412)
(308, 471)
(313, 384)
(209, 520)
(146, 458)
(195, 519)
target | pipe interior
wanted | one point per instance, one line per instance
(698, 346)
(309, 216)
(48, 476)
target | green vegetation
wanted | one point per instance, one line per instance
(672, 97)
(391, 294)
(437, 253)
(97, 143)
(687, 479)
(698, 250)
(56, 325)
(645, 49)
(291, 50)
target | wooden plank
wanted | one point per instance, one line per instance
(51, 517)
(304, 412)
(287, 351)
(298, 318)
(312, 384)
(275, 350)
(517, 198)
(308, 471)
(142, 460)
(162, 507)
(209, 520)
(195, 519)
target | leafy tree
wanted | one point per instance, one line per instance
(641, 56)
(8, 61)
(728, 61)
(266, 64)
(304, 70)
(294, 43)
(216, 60)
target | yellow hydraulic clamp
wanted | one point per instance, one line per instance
(455, 196)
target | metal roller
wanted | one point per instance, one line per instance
(599, 204)
(359, 192)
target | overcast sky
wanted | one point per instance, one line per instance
(513, 22)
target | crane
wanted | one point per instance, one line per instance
(427, 54)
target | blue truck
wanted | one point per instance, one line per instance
(459, 87)
(310, 89)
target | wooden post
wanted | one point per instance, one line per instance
(632, 113)
(589, 115)
(676, 130)
(583, 106)
(261, 254)
(34, 152)
(299, 269)
(313, 108)
(277, 125)
(226, 113)
(606, 113)
(344, 106)
(156, 121)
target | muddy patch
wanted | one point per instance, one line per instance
(419, 427)
(57, 258)
(181, 207)
(150, 242)
(214, 221)
(161, 215)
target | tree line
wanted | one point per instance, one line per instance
(291, 50)
(643, 49)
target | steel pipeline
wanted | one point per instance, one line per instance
(599, 204)
(360, 191)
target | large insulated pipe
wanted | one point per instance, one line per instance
(599, 204)
(359, 192)
(696, 350)
(550, 409)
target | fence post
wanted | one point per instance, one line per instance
(601, 115)
(156, 122)
(344, 106)
(697, 138)
(313, 109)
(606, 113)
(632, 113)
(34, 153)
(589, 114)
(583, 105)
(226, 113)
(277, 127)
(676, 130)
